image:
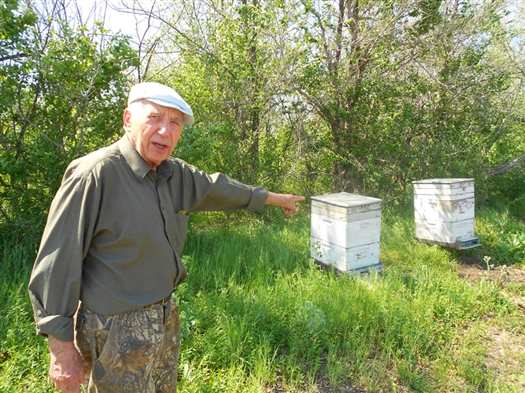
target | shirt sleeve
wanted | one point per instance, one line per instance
(54, 285)
(218, 192)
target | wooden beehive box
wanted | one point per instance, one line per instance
(346, 230)
(444, 210)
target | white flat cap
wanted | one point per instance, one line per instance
(161, 95)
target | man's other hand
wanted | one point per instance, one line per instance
(66, 368)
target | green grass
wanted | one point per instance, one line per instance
(23, 356)
(257, 314)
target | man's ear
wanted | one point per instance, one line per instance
(126, 120)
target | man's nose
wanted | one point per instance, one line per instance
(164, 127)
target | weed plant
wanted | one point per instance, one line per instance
(258, 315)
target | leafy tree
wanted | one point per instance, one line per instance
(62, 96)
(405, 87)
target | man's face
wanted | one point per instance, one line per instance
(154, 130)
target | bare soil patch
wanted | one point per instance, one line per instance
(473, 269)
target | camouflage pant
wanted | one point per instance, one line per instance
(137, 351)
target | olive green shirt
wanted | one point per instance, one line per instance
(115, 232)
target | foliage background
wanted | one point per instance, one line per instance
(300, 96)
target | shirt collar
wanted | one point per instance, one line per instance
(138, 165)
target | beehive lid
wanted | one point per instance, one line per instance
(443, 186)
(349, 201)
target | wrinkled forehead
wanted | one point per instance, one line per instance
(149, 108)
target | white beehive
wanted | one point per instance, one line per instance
(346, 230)
(444, 211)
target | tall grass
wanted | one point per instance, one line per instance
(23, 355)
(258, 315)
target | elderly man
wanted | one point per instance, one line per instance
(109, 258)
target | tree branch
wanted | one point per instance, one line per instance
(14, 56)
(506, 168)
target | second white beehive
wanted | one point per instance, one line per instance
(444, 211)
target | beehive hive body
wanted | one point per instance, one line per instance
(345, 230)
(444, 210)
